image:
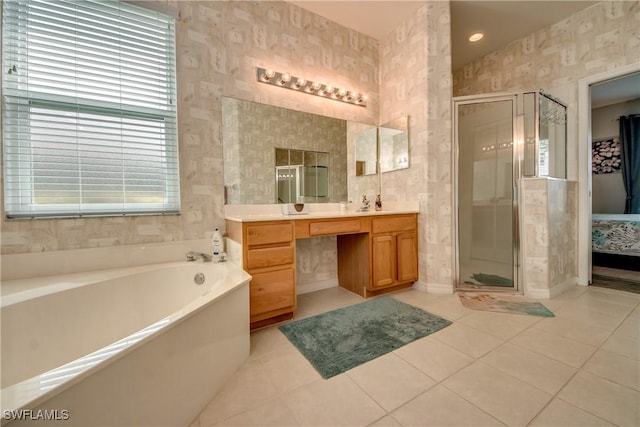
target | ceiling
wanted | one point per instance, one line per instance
(501, 21)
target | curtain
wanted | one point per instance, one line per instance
(630, 153)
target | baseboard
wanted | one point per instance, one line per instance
(433, 288)
(552, 292)
(305, 288)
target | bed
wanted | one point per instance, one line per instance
(615, 240)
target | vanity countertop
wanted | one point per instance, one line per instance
(272, 212)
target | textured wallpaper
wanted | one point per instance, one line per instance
(219, 46)
(602, 37)
(415, 75)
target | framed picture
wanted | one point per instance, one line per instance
(605, 155)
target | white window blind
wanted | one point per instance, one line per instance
(89, 109)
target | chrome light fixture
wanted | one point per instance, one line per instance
(286, 80)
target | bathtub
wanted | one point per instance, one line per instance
(138, 346)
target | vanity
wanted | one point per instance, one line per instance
(377, 253)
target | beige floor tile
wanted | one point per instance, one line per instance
(325, 300)
(590, 317)
(390, 381)
(608, 301)
(623, 345)
(562, 414)
(573, 329)
(387, 421)
(273, 413)
(619, 369)
(337, 401)
(268, 340)
(290, 370)
(436, 359)
(501, 325)
(441, 407)
(506, 398)
(249, 386)
(630, 327)
(418, 298)
(448, 306)
(625, 298)
(533, 368)
(559, 348)
(603, 398)
(468, 340)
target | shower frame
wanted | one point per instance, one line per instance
(518, 173)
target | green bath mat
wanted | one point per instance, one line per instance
(339, 340)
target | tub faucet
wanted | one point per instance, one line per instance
(192, 256)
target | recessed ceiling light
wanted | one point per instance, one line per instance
(475, 37)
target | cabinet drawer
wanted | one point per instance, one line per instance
(269, 257)
(335, 227)
(392, 224)
(270, 233)
(273, 290)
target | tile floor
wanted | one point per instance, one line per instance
(580, 368)
(614, 272)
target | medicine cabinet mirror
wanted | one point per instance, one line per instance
(394, 145)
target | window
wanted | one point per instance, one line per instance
(89, 109)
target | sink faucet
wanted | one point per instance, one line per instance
(192, 256)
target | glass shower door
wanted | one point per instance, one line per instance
(485, 194)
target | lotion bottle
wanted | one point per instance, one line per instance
(217, 244)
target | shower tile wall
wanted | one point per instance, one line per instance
(549, 249)
(219, 44)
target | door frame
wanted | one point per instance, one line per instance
(584, 165)
(517, 153)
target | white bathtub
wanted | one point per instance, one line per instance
(140, 346)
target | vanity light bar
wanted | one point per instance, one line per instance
(299, 84)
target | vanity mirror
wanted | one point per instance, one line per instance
(394, 145)
(251, 133)
(367, 152)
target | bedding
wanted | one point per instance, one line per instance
(616, 234)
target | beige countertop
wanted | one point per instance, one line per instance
(273, 212)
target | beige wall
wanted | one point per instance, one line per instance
(415, 76)
(548, 235)
(602, 37)
(219, 44)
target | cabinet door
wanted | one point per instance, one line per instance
(384, 260)
(273, 290)
(407, 244)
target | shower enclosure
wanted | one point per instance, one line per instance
(500, 140)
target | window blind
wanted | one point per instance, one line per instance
(89, 109)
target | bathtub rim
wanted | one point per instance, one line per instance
(30, 393)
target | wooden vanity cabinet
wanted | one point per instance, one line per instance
(394, 251)
(268, 255)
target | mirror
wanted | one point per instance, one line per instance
(301, 176)
(367, 152)
(251, 133)
(394, 145)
